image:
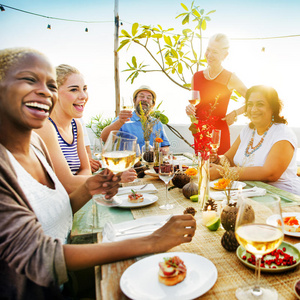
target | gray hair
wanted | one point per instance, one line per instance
(222, 39)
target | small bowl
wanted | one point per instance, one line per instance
(297, 289)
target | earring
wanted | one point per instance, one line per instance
(272, 118)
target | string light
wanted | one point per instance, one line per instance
(2, 8)
(49, 26)
(86, 30)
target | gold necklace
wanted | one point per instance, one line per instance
(212, 78)
(250, 144)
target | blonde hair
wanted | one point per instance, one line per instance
(63, 71)
(11, 56)
(222, 39)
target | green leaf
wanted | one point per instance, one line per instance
(207, 18)
(164, 119)
(134, 29)
(167, 40)
(186, 19)
(157, 36)
(159, 27)
(202, 11)
(125, 33)
(174, 53)
(196, 13)
(203, 25)
(123, 43)
(184, 7)
(134, 61)
(180, 68)
(210, 12)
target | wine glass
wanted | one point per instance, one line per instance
(194, 97)
(259, 230)
(127, 104)
(166, 173)
(97, 148)
(138, 153)
(118, 155)
(216, 139)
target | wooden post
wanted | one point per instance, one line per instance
(116, 45)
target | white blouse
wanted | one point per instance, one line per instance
(289, 180)
(51, 206)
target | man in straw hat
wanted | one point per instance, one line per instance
(129, 121)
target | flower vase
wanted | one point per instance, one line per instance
(203, 181)
(156, 154)
(147, 153)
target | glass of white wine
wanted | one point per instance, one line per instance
(118, 155)
(259, 232)
(127, 104)
(216, 140)
(194, 97)
(97, 148)
(166, 173)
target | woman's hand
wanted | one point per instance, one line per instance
(95, 164)
(190, 110)
(128, 176)
(104, 182)
(179, 229)
(214, 171)
(230, 118)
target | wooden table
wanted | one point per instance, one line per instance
(231, 272)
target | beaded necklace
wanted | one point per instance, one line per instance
(213, 78)
(250, 144)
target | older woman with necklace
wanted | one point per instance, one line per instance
(214, 82)
(265, 149)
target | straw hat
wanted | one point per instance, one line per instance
(145, 88)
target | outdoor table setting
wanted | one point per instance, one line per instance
(215, 272)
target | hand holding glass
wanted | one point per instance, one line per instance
(166, 173)
(194, 97)
(259, 236)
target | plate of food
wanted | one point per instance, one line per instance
(220, 184)
(115, 201)
(291, 223)
(284, 258)
(136, 200)
(158, 277)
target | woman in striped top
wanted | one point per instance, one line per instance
(63, 132)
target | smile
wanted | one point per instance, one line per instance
(38, 105)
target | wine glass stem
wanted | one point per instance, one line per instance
(256, 290)
(167, 199)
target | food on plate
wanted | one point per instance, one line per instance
(171, 271)
(222, 184)
(290, 224)
(134, 197)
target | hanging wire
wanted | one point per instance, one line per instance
(122, 22)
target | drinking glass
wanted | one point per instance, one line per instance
(194, 97)
(138, 153)
(216, 139)
(260, 232)
(118, 155)
(127, 104)
(166, 173)
(97, 148)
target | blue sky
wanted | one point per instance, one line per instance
(92, 52)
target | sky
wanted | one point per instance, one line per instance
(92, 52)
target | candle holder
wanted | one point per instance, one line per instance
(210, 212)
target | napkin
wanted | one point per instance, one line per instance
(145, 226)
(253, 192)
(149, 189)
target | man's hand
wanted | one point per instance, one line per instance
(124, 116)
(104, 183)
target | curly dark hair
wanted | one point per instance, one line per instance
(272, 97)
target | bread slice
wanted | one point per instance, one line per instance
(172, 280)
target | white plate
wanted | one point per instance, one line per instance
(274, 218)
(140, 280)
(148, 199)
(235, 185)
(116, 201)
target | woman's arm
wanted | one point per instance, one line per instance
(179, 229)
(61, 167)
(85, 168)
(275, 165)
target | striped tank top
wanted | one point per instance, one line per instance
(69, 150)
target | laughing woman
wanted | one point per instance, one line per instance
(266, 149)
(63, 132)
(35, 210)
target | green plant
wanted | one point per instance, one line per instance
(177, 56)
(97, 124)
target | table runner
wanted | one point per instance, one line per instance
(231, 272)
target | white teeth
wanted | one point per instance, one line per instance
(38, 105)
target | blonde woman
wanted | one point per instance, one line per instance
(63, 132)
